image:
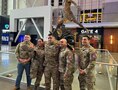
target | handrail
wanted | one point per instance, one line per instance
(108, 53)
(7, 52)
(107, 64)
(111, 56)
(111, 86)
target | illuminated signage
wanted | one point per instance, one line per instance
(6, 26)
(91, 17)
(5, 38)
(90, 31)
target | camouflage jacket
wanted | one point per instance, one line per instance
(89, 59)
(23, 50)
(66, 61)
(51, 54)
(39, 56)
(37, 62)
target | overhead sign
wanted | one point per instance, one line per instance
(91, 31)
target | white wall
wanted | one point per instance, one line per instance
(44, 11)
(21, 4)
(35, 2)
(111, 0)
(10, 6)
(18, 4)
(90, 4)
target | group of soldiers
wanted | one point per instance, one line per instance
(55, 60)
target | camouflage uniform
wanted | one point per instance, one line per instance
(51, 65)
(87, 64)
(66, 67)
(37, 68)
(24, 51)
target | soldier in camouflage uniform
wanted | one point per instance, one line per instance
(40, 57)
(66, 66)
(87, 65)
(24, 53)
(51, 63)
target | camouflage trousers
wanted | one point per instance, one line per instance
(39, 76)
(51, 72)
(66, 83)
(86, 81)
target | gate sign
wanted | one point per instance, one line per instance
(91, 31)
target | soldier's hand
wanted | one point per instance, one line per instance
(73, 50)
(21, 60)
(81, 71)
(27, 60)
(65, 76)
(31, 46)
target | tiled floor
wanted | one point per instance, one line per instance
(8, 65)
(8, 84)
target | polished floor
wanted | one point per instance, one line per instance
(8, 73)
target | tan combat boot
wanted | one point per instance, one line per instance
(29, 88)
(16, 88)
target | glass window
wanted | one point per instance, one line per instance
(92, 16)
(60, 2)
(52, 2)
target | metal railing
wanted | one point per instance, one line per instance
(105, 60)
